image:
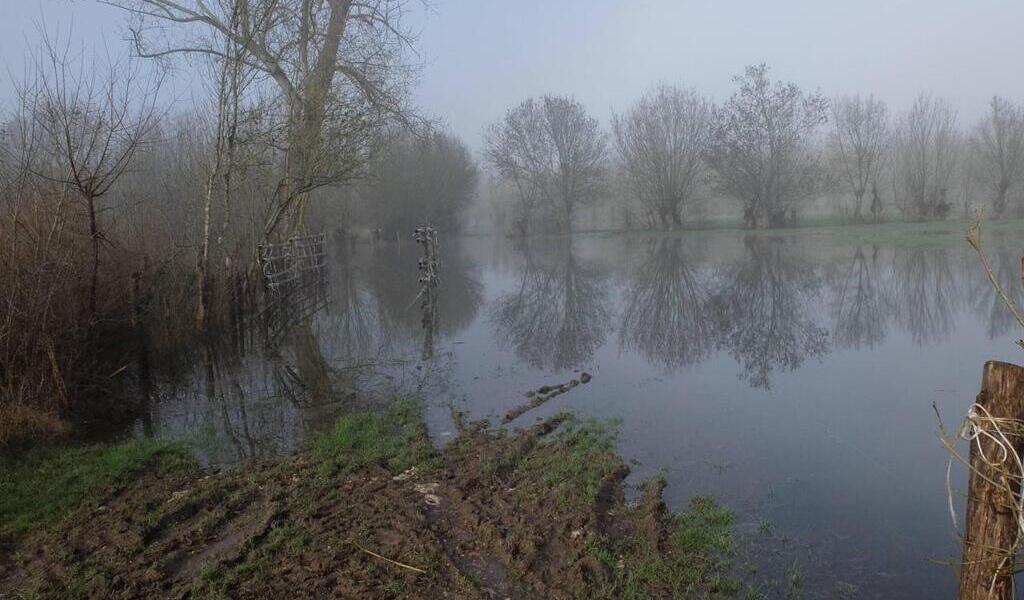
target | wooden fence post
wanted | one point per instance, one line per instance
(990, 531)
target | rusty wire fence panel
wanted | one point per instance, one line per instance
(295, 273)
(290, 261)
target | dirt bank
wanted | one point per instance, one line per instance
(373, 511)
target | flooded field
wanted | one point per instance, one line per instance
(790, 375)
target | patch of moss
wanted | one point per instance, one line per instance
(41, 486)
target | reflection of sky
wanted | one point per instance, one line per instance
(835, 446)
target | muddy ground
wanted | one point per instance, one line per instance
(534, 513)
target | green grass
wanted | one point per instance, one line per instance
(40, 487)
(396, 441)
(585, 453)
(901, 234)
(695, 563)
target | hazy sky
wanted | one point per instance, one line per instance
(481, 56)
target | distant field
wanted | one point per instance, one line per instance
(934, 233)
(889, 234)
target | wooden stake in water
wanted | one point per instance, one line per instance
(993, 498)
(430, 277)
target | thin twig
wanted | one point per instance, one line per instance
(974, 239)
(394, 562)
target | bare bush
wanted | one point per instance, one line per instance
(89, 120)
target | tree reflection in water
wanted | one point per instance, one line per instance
(560, 313)
(925, 292)
(761, 308)
(1007, 266)
(393, 279)
(666, 317)
(861, 306)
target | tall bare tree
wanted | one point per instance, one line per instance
(337, 66)
(233, 76)
(580, 151)
(859, 141)
(93, 116)
(927, 155)
(555, 154)
(519, 149)
(662, 140)
(763, 147)
(998, 143)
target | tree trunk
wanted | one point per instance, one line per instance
(990, 531)
(999, 205)
(94, 234)
(203, 259)
(858, 202)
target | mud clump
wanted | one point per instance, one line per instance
(544, 393)
(537, 513)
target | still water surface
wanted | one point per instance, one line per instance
(791, 376)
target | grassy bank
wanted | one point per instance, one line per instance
(40, 487)
(371, 511)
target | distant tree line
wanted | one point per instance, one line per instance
(762, 155)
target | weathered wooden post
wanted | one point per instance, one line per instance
(429, 266)
(991, 529)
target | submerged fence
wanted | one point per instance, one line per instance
(290, 261)
(295, 274)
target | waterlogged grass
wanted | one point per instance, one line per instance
(694, 561)
(395, 440)
(41, 486)
(898, 234)
(584, 454)
(929, 234)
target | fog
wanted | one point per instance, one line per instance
(735, 255)
(480, 57)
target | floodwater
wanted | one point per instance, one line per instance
(792, 376)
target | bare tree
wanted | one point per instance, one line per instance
(859, 141)
(579, 155)
(927, 146)
(998, 143)
(336, 65)
(520, 151)
(93, 118)
(234, 75)
(553, 151)
(662, 140)
(762, 147)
